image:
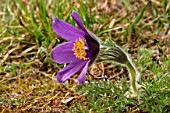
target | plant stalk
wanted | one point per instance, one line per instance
(132, 75)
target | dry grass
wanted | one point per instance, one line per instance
(27, 73)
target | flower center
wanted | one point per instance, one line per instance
(78, 49)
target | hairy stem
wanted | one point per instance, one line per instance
(132, 74)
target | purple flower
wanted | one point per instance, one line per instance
(79, 52)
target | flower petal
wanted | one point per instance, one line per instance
(70, 70)
(82, 76)
(92, 40)
(66, 30)
(63, 53)
(94, 47)
(77, 19)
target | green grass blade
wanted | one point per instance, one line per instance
(139, 16)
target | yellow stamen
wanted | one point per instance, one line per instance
(78, 49)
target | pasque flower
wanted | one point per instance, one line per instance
(79, 52)
(111, 52)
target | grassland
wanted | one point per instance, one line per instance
(27, 72)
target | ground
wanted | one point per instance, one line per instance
(28, 74)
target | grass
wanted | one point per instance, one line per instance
(27, 73)
(107, 96)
